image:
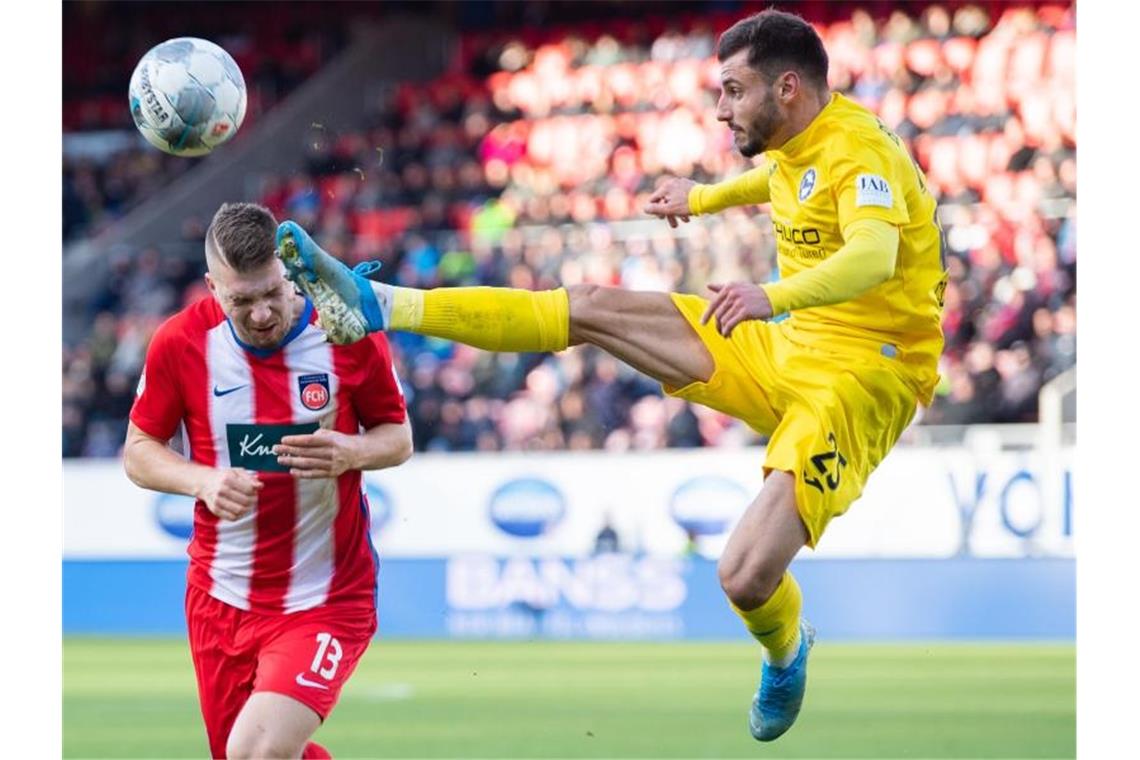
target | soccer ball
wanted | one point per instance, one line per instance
(187, 96)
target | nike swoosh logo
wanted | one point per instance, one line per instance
(227, 391)
(302, 681)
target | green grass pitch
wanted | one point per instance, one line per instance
(136, 698)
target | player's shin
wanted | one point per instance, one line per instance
(776, 622)
(494, 319)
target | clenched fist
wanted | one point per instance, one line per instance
(230, 493)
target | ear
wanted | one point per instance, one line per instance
(211, 284)
(788, 85)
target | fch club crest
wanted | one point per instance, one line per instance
(807, 184)
(314, 390)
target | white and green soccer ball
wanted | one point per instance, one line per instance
(187, 96)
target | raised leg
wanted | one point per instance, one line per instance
(644, 330)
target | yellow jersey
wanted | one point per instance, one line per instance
(846, 166)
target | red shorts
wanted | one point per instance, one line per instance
(306, 655)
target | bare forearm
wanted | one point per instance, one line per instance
(150, 464)
(382, 446)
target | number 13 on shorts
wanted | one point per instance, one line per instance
(327, 657)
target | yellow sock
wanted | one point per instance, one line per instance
(494, 319)
(776, 622)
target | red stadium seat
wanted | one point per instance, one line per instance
(927, 107)
(1026, 189)
(327, 187)
(623, 82)
(998, 190)
(921, 148)
(588, 84)
(943, 168)
(1026, 65)
(1065, 113)
(973, 157)
(1036, 113)
(1027, 61)
(1056, 16)
(844, 48)
(527, 93)
(382, 224)
(1061, 65)
(888, 57)
(684, 82)
(958, 53)
(892, 108)
(989, 73)
(923, 57)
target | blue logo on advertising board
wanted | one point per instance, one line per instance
(527, 507)
(380, 507)
(175, 514)
(707, 505)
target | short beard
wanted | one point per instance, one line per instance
(750, 149)
(763, 129)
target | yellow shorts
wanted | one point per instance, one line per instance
(831, 417)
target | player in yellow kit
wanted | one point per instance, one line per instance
(833, 386)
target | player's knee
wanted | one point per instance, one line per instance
(246, 746)
(746, 582)
(240, 746)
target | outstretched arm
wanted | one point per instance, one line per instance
(679, 198)
(749, 188)
(866, 259)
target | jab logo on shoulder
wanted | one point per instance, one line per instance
(873, 190)
(807, 184)
(314, 390)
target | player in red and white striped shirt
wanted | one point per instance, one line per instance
(279, 423)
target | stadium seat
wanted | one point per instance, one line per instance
(383, 224)
(958, 52)
(923, 57)
(944, 165)
(1061, 63)
(888, 57)
(973, 157)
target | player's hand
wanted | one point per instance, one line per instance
(734, 303)
(323, 454)
(230, 493)
(671, 200)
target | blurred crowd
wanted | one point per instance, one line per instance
(103, 180)
(528, 164)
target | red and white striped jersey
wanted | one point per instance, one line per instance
(307, 541)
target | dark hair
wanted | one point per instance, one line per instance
(777, 41)
(242, 235)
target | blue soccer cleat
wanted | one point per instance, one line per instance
(777, 701)
(345, 300)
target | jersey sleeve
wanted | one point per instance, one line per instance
(379, 399)
(747, 188)
(867, 181)
(158, 408)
